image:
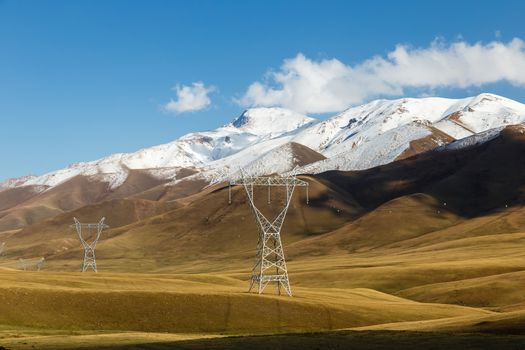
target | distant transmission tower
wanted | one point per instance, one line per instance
(89, 246)
(31, 264)
(270, 264)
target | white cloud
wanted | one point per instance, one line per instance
(190, 98)
(329, 85)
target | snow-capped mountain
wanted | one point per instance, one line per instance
(260, 140)
(384, 130)
(256, 129)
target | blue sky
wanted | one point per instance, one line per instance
(83, 79)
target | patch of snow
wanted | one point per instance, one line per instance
(15, 182)
(473, 140)
(371, 152)
(452, 129)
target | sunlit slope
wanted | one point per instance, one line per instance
(498, 323)
(28, 205)
(56, 235)
(200, 303)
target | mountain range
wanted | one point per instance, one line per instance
(263, 141)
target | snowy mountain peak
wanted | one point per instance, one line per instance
(273, 120)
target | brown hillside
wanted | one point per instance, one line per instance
(55, 235)
(304, 155)
(24, 207)
(13, 196)
(427, 143)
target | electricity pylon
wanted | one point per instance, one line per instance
(89, 246)
(270, 264)
(31, 264)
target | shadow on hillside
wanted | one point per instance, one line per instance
(364, 340)
(475, 181)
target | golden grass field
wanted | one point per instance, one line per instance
(376, 260)
(466, 283)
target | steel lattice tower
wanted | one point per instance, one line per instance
(270, 263)
(31, 264)
(89, 247)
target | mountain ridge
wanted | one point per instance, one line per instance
(360, 137)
